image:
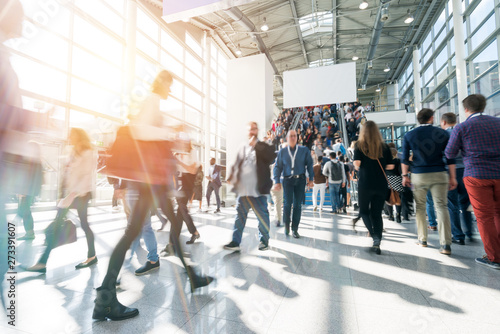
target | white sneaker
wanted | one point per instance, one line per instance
(115, 209)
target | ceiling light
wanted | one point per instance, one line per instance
(363, 5)
(355, 57)
(238, 50)
(378, 89)
(370, 64)
(409, 18)
(387, 68)
(275, 101)
(385, 14)
(264, 27)
(364, 87)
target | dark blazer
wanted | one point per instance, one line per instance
(216, 180)
(265, 156)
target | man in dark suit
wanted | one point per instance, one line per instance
(214, 184)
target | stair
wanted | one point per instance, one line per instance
(327, 203)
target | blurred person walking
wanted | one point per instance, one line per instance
(251, 177)
(371, 158)
(458, 199)
(145, 142)
(77, 190)
(428, 143)
(292, 163)
(319, 185)
(478, 138)
(214, 183)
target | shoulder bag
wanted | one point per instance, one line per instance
(393, 198)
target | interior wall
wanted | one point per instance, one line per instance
(249, 98)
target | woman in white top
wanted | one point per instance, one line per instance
(77, 185)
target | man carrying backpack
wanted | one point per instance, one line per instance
(335, 172)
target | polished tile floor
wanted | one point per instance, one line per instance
(325, 282)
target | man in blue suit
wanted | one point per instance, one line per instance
(214, 184)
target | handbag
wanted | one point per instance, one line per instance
(393, 198)
(142, 161)
(61, 232)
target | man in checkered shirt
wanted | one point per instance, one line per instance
(478, 137)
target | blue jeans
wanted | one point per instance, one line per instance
(147, 232)
(429, 207)
(458, 200)
(293, 192)
(335, 196)
(259, 207)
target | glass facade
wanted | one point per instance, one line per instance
(71, 64)
(437, 59)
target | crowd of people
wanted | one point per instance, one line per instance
(449, 168)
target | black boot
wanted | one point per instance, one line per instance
(196, 280)
(398, 218)
(391, 218)
(108, 307)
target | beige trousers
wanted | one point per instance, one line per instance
(437, 183)
(278, 204)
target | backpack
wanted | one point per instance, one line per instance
(336, 171)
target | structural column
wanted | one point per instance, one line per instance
(206, 100)
(417, 92)
(461, 72)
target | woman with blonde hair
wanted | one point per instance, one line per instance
(371, 158)
(77, 187)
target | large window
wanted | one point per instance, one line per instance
(72, 71)
(437, 57)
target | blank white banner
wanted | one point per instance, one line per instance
(319, 85)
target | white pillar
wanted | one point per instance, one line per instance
(206, 101)
(417, 92)
(461, 72)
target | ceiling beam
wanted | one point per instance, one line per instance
(299, 32)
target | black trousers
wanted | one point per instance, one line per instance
(24, 211)
(186, 190)
(212, 187)
(371, 204)
(81, 204)
(147, 195)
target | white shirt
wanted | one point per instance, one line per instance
(79, 176)
(187, 159)
(247, 185)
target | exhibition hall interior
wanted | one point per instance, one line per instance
(250, 166)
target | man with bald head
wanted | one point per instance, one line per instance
(290, 170)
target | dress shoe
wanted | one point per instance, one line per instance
(147, 268)
(263, 246)
(217, 211)
(108, 307)
(432, 228)
(194, 236)
(458, 241)
(446, 250)
(278, 223)
(376, 250)
(422, 243)
(287, 229)
(37, 268)
(88, 264)
(197, 281)
(295, 234)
